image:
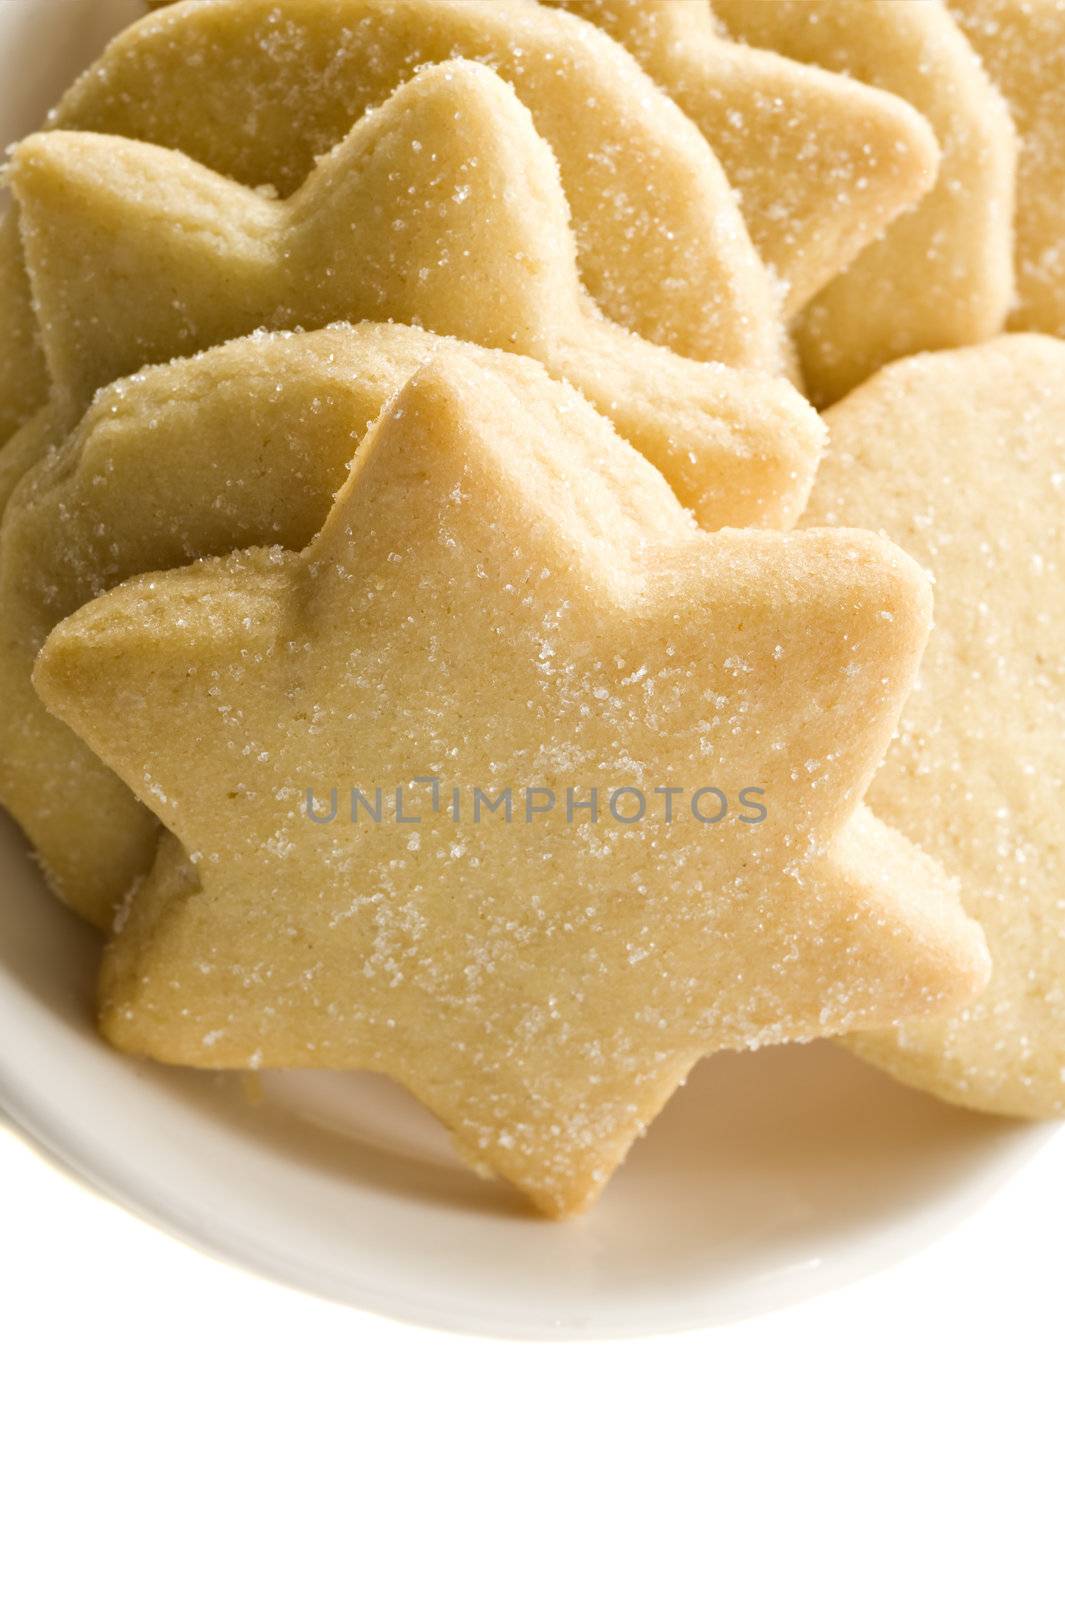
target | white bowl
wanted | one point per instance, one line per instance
(769, 1178)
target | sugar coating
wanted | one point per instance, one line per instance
(505, 592)
(258, 89)
(960, 457)
(23, 378)
(942, 275)
(821, 163)
(25, 450)
(247, 442)
(244, 443)
(444, 209)
(1022, 45)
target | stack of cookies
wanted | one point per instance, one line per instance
(477, 475)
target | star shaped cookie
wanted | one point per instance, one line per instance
(442, 209)
(959, 457)
(821, 163)
(1022, 45)
(259, 90)
(942, 275)
(507, 601)
(249, 441)
(246, 442)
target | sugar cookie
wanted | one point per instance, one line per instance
(23, 378)
(25, 449)
(257, 90)
(137, 254)
(820, 162)
(960, 458)
(1022, 45)
(506, 597)
(943, 275)
(247, 442)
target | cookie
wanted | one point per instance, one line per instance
(820, 162)
(960, 458)
(943, 275)
(137, 254)
(258, 90)
(1022, 45)
(247, 442)
(507, 601)
(25, 449)
(23, 378)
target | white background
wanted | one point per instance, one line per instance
(173, 1427)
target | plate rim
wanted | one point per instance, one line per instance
(41, 1125)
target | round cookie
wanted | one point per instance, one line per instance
(960, 458)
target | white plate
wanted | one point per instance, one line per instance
(769, 1178)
